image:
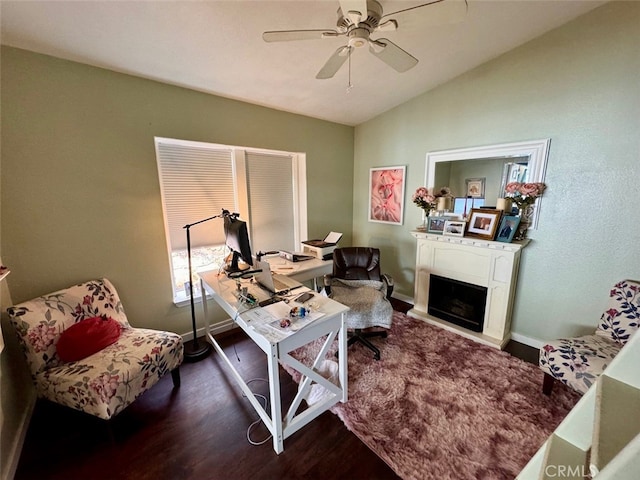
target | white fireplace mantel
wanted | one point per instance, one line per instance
(489, 264)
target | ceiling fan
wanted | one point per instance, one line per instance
(357, 20)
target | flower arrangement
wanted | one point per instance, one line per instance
(524, 194)
(428, 201)
(424, 199)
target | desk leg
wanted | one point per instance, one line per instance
(342, 359)
(274, 393)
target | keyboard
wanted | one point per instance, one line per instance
(280, 285)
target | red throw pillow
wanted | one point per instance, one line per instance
(87, 337)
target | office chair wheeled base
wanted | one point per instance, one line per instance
(359, 335)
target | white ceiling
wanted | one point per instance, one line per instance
(217, 46)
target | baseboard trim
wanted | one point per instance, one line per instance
(403, 298)
(532, 342)
(215, 329)
(221, 327)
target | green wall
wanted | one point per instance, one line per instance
(577, 85)
(80, 192)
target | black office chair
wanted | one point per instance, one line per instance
(358, 283)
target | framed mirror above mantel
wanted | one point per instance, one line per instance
(497, 165)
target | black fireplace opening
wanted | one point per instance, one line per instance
(457, 302)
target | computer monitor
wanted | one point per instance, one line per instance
(237, 239)
(463, 205)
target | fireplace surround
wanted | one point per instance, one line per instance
(482, 265)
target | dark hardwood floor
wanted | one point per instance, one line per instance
(198, 431)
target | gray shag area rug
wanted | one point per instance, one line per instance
(440, 406)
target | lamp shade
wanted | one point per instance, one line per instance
(503, 204)
(444, 203)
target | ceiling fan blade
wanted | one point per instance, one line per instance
(290, 35)
(441, 12)
(334, 63)
(392, 55)
(355, 10)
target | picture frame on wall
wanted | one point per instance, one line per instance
(483, 223)
(454, 228)
(475, 187)
(508, 227)
(386, 194)
(436, 225)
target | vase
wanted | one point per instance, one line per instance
(425, 221)
(524, 212)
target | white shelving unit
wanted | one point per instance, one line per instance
(599, 438)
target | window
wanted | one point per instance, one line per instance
(198, 180)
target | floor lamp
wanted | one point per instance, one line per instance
(195, 350)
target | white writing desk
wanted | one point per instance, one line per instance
(331, 324)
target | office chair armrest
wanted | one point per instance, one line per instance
(327, 283)
(388, 279)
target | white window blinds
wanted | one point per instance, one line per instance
(197, 181)
(271, 192)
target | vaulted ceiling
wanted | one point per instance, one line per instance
(217, 46)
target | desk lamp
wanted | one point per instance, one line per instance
(194, 351)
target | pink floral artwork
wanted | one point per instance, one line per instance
(386, 194)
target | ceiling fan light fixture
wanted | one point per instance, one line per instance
(358, 37)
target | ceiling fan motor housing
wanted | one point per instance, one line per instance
(374, 13)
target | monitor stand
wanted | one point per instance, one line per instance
(233, 264)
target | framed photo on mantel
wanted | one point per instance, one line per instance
(508, 228)
(436, 225)
(483, 223)
(454, 228)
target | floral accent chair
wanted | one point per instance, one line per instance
(107, 381)
(577, 362)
